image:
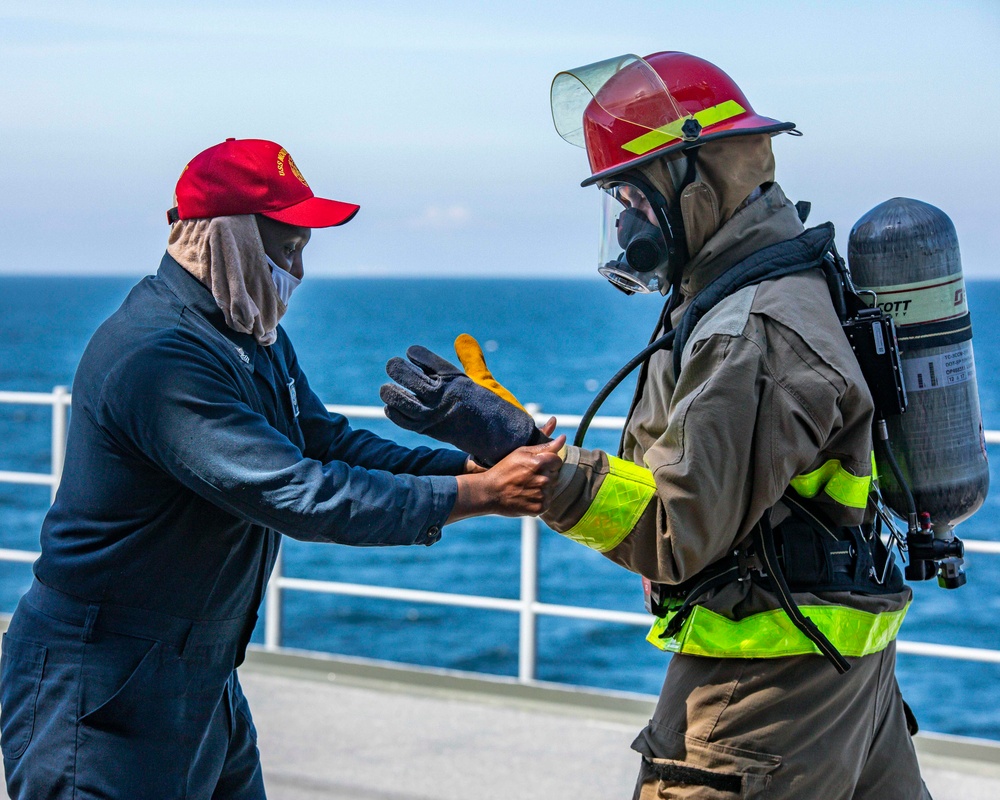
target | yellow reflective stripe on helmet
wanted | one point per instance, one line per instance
(771, 634)
(847, 489)
(620, 501)
(660, 136)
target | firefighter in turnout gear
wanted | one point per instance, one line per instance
(759, 417)
(741, 490)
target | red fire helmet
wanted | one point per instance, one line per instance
(629, 110)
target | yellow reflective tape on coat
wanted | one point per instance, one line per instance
(847, 489)
(660, 136)
(771, 634)
(623, 496)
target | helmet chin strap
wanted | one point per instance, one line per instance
(679, 255)
(671, 221)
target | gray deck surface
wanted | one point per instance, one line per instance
(343, 729)
(384, 735)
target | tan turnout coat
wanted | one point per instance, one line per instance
(769, 389)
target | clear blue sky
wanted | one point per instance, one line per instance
(435, 118)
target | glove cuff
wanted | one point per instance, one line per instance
(536, 437)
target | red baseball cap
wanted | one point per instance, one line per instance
(252, 176)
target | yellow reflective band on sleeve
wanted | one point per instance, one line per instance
(661, 136)
(847, 489)
(620, 501)
(771, 634)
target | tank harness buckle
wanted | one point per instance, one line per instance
(747, 561)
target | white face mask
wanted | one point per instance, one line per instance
(284, 281)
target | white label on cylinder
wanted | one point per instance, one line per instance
(925, 301)
(879, 338)
(935, 372)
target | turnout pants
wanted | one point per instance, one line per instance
(108, 702)
(783, 728)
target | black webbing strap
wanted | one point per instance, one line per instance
(682, 775)
(806, 251)
(714, 580)
(764, 536)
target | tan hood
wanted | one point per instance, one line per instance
(729, 170)
(226, 254)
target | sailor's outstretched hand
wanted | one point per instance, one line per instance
(472, 468)
(472, 412)
(519, 485)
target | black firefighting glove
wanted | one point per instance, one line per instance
(436, 398)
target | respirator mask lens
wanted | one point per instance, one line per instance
(634, 254)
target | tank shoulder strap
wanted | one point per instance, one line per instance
(806, 251)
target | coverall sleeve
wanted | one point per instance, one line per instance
(329, 437)
(734, 438)
(175, 405)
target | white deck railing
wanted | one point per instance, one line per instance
(527, 606)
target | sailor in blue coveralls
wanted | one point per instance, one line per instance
(195, 442)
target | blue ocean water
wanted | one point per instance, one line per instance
(551, 342)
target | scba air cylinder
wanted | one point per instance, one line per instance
(906, 252)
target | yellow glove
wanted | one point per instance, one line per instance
(471, 355)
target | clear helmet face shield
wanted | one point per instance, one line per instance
(640, 98)
(634, 255)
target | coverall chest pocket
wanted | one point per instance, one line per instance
(285, 391)
(21, 671)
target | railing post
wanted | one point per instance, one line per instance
(272, 609)
(528, 639)
(60, 419)
(527, 651)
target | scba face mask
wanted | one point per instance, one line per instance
(634, 253)
(284, 282)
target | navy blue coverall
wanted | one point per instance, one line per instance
(190, 448)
